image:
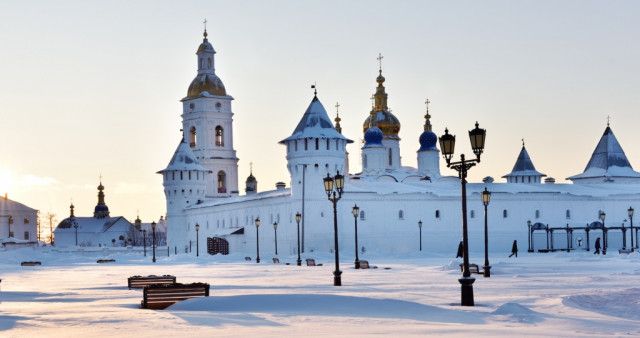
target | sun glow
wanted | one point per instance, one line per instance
(6, 181)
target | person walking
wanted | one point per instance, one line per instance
(460, 253)
(514, 249)
(597, 251)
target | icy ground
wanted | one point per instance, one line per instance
(553, 294)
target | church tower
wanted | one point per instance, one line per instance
(207, 124)
(101, 210)
(428, 154)
(382, 118)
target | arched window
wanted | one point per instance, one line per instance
(504, 213)
(296, 145)
(437, 213)
(362, 214)
(306, 144)
(200, 65)
(473, 213)
(222, 184)
(208, 63)
(568, 214)
(317, 144)
(192, 137)
(400, 214)
(537, 213)
(390, 157)
(327, 144)
(219, 136)
(364, 161)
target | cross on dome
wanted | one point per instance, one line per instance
(380, 57)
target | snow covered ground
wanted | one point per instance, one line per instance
(553, 294)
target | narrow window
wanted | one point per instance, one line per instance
(317, 144)
(504, 213)
(473, 213)
(327, 144)
(26, 235)
(400, 214)
(192, 137)
(209, 63)
(390, 157)
(219, 136)
(200, 64)
(568, 214)
(336, 144)
(181, 178)
(26, 221)
(364, 161)
(437, 213)
(189, 175)
(362, 215)
(537, 213)
(306, 144)
(222, 185)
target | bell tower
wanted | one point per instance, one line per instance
(207, 124)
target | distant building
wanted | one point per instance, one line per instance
(201, 187)
(18, 222)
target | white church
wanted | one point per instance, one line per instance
(201, 189)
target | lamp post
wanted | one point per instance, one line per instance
(420, 227)
(334, 196)
(298, 217)
(197, 240)
(144, 241)
(75, 226)
(153, 229)
(631, 219)
(486, 197)
(603, 215)
(257, 222)
(529, 248)
(275, 232)
(447, 144)
(356, 212)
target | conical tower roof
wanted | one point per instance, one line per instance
(608, 160)
(524, 166)
(183, 159)
(315, 123)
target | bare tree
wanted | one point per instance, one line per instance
(51, 218)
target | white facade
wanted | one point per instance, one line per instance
(392, 198)
(17, 221)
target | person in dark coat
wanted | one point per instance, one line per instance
(514, 249)
(597, 251)
(460, 253)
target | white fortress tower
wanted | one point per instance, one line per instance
(207, 124)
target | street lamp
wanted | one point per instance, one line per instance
(486, 197)
(529, 248)
(275, 232)
(334, 196)
(75, 226)
(257, 222)
(420, 227)
(153, 229)
(356, 212)
(298, 218)
(197, 240)
(631, 218)
(604, 233)
(447, 144)
(144, 241)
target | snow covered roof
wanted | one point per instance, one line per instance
(315, 123)
(183, 159)
(524, 166)
(608, 160)
(93, 225)
(9, 205)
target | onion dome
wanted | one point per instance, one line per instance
(373, 137)
(206, 83)
(428, 139)
(380, 115)
(101, 210)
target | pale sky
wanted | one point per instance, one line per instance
(90, 88)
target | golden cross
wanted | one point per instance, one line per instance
(608, 120)
(380, 57)
(427, 104)
(337, 107)
(251, 167)
(205, 24)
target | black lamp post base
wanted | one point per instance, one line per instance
(258, 260)
(299, 262)
(530, 250)
(466, 291)
(357, 263)
(337, 279)
(487, 270)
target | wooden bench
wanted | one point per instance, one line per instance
(473, 268)
(30, 263)
(139, 282)
(625, 251)
(276, 260)
(365, 265)
(312, 262)
(106, 261)
(160, 296)
(248, 259)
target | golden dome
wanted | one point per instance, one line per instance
(206, 83)
(380, 115)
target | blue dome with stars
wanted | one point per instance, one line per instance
(373, 137)
(428, 141)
